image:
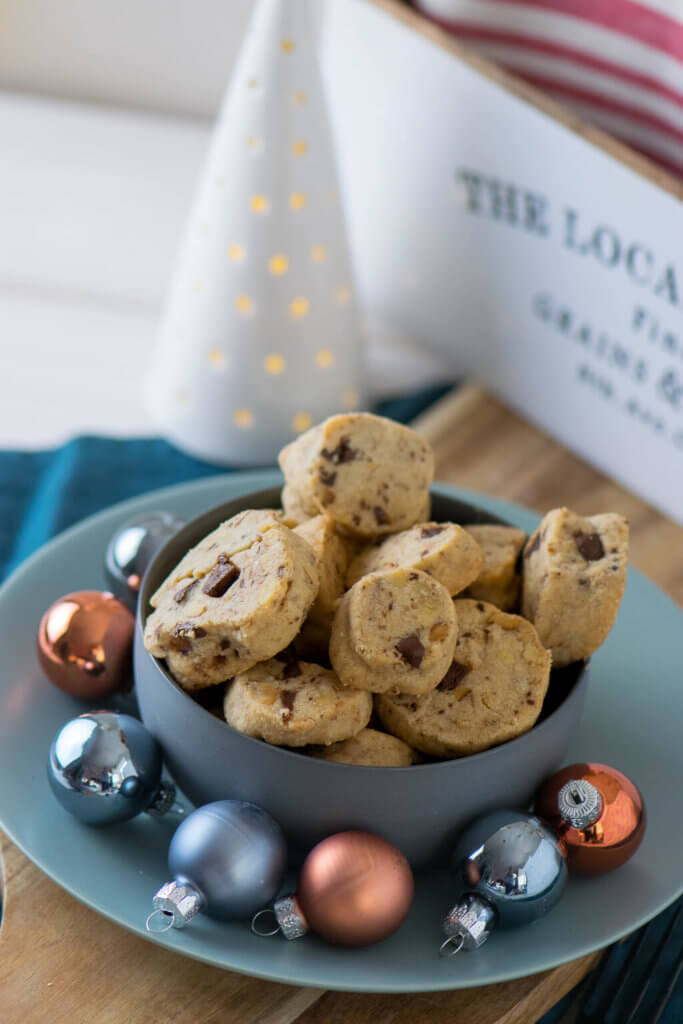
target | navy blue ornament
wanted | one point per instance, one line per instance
(514, 872)
(227, 859)
(105, 767)
(132, 548)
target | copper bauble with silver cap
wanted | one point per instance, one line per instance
(105, 767)
(355, 889)
(513, 871)
(597, 813)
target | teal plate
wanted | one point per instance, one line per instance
(632, 720)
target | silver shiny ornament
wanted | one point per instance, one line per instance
(514, 871)
(227, 859)
(105, 767)
(132, 548)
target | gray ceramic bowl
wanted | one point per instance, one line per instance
(420, 809)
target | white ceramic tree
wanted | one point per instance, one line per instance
(260, 335)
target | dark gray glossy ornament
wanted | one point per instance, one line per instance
(227, 859)
(105, 767)
(514, 872)
(132, 548)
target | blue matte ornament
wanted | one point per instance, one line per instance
(227, 859)
(514, 872)
(132, 548)
(104, 767)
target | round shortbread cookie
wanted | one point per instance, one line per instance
(237, 598)
(574, 577)
(294, 510)
(369, 747)
(499, 580)
(394, 631)
(369, 474)
(442, 550)
(334, 554)
(295, 703)
(492, 692)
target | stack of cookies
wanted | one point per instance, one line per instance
(352, 627)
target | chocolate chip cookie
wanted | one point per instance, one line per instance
(443, 550)
(574, 574)
(499, 581)
(238, 597)
(369, 747)
(293, 703)
(334, 554)
(394, 630)
(493, 689)
(369, 474)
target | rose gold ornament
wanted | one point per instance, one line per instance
(84, 644)
(597, 813)
(355, 888)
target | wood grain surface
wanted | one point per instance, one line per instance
(60, 962)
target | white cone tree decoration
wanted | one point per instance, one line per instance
(260, 336)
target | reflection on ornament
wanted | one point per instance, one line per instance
(514, 872)
(131, 549)
(105, 768)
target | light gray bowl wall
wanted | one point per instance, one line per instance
(420, 809)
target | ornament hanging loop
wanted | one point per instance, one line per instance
(271, 931)
(159, 921)
(452, 945)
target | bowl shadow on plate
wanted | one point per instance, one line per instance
(420, 808)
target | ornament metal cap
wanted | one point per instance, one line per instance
(174, 906)
(579, 803)
(165, 802)
(289, 917)
(468, 925)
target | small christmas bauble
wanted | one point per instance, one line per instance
(132, 548)
(105, 767)
(355, 888)
(227, 859)
(514, 872)
(597, 813)
(84, 644)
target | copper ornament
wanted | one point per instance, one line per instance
(614, 822)
(355, 888)
(84, 644)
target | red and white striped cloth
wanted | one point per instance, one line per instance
(617, 63)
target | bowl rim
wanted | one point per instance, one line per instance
(579, 684)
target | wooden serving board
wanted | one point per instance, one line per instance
(61, 962)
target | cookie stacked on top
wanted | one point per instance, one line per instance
(351, 605)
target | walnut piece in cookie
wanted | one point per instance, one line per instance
(294, 703)
(574, 574)
(369, 474)
(443, 550)
(499, 581)
(492, 691)
(369, 747)
(240, 596)
(394, 630)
